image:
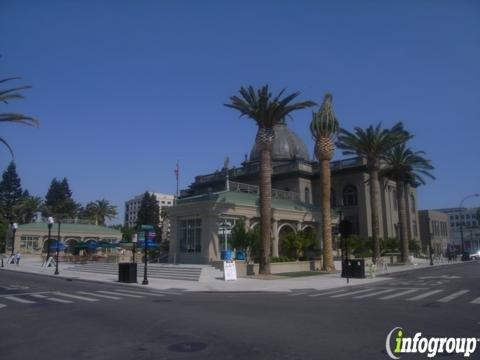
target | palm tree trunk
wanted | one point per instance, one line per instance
(265, 209)
(374, 206)
(328, 264)
(403, 221)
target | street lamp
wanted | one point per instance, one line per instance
(14, 230)
(58, 248)
(50, 224)
(146, 229)
(465, 257)
(134, 241)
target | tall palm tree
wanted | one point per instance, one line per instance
(267, 111)
(405, 166)
(324, 128)
(373, 144)
(26, 209)
(5, 97)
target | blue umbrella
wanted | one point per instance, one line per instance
(61, 246)
(150, 244)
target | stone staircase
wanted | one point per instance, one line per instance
(156, 271)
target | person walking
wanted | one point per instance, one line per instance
(17, 258)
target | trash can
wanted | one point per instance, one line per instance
(353, 268)
(226, 255)
(127, 272)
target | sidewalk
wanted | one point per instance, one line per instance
(211, 281)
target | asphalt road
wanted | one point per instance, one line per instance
(50, 318)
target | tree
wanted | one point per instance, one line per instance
(405, 166)
(98, 211)
(149, 213)
(10, 192)
(324, 128)
(28, 206)
(59, 202)
(6, 95)
(373, 145)
(266, 111)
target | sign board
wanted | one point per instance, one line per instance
(229, 270)
(151, 234)
(226, 232)
(141, 236)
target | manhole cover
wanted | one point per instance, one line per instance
(187, 347)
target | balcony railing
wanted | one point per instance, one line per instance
(253, 189)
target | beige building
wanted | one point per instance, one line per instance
(231, 194)
(434, 230)
(31, 238)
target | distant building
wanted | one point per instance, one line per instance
(31, 238)
(468, 217)
(434, 228)
(133, 206)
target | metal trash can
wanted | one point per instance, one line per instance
(353, 268)
(127, 272)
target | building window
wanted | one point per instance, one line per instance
(355, 224)
(456, 217)
(190, 235)
(29, 243)
(394, 200)
(414, 222)
(350, 196)
(307, 195)
(412, 203)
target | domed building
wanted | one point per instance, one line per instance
(231, 194)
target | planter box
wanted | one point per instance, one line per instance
(244, 269)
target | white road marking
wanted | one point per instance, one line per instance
(39, 296)
(425, 295)
(20, 300)
(138, 292)
(476, 301)
(115, 293)
(453, 296)
(329, 292)
(2, 306)
(298, 294)
(375, 293)
(401, 293)
(353, 293)
(74, 296)
(99, 295)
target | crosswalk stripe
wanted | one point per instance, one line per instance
(298, 294)
(401, 293)
(375, 293)
(20, 300)
(99, 295)
(114, 293)
(2, 306)
(453, 296)
(352, 293)
(475, 301)
(137, 292)
(328, 292)
(74, 296)
(423, 296)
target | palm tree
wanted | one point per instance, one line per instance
(26, 209)
(324, 127)
(14, 94)
(99, 211)
(373, 145)
(405, 166)
(266, 111)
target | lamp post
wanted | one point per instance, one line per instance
(146, 229)
(465, 257)
(134, 241)
(58, 248)
(14, 230)
(50, 224)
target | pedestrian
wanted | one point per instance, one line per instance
(17, 258)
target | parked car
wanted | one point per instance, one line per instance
(475, 256)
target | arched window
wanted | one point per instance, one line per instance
(307, 195)
(350, 196)
(412, 203)
(394, 199)
(333, 199)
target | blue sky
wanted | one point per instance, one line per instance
(124, 89)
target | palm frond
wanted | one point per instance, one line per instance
(8, 147)
(19, 118)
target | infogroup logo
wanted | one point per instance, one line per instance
(398, 343)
